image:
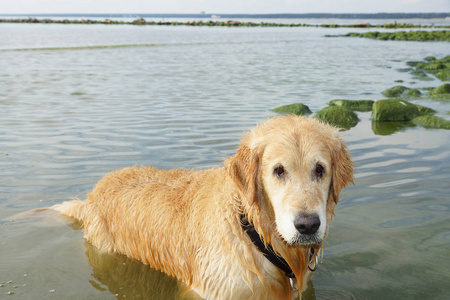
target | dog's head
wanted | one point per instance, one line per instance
(290, 171)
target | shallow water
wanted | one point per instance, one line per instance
(69, 116)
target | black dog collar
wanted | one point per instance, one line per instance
(268, 251)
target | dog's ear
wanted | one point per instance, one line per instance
(243, 168)
(342, 168)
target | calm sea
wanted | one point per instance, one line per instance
(72, 110)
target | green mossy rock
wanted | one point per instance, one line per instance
(445, 59)
(421, 75)
(443, 75)
(443, 89)
(297, 109)
(394, 110)
(395, 91)
(443, 97)
(440, 93)
(412, 94)
(413, 63)
(432, 122)
(356, 105)
(412, 35)
(338, 116)
(423, 110)
(437, 67)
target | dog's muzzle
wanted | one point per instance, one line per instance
(307, 226)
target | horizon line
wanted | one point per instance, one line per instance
(224, 14)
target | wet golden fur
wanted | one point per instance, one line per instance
(187, 223)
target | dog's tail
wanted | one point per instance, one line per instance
(74, 209)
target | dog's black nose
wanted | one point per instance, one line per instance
(307, 224)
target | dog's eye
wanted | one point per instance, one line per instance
(319, 171)
(279, 171)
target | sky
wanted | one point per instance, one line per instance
(221, 6)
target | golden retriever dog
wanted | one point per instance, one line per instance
(283, 183)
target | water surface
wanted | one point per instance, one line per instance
(71, 113)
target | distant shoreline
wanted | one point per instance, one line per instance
(430, 15)
(216, 22)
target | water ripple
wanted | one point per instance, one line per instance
(69, 117)
(393, 183)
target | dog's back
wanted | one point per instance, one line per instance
(162, 217)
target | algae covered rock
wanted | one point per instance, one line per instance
(412, 94)
(443, 89)
(400, 91)
(296, 108)
(421, 75)
(338, 116)
(440, 93)
(432, 122)
(394, 110)
(437, 67)
(395, 91)
(412, 35)
(356, 105)
(423, 110)
(443, 75)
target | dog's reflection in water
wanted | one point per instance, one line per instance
(130, 279)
